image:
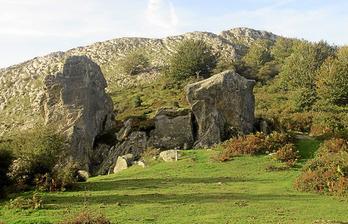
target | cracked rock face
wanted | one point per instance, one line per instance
(75, 103)
(223, 99)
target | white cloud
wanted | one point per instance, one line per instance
(161, 15)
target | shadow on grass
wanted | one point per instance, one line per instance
(174, 198)
(157, 183)
(165, 191)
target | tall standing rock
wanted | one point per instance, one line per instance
(223, 99)
(75, 103)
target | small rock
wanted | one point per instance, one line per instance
(123, 162)
(83, 175)
(168, 155)
(142, 164)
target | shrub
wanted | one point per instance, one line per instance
(193, 58)
(327, 172)
(276, 140)
(60, 180)
(6, 159)
(251, 145)
(287, 154)
(37, 152)
(20, 202)
(296, 121)
(134, 62)
(87, 217)
(137, 101)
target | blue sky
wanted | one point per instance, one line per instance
(30, 28)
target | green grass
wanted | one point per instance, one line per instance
(193, 190)
(160, 93)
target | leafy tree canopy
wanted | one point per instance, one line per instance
(134, 62)
(193, 58)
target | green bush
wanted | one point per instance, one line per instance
(6, 158)
(192, 58)
(134, 62)
(37, 152)
(327, 173)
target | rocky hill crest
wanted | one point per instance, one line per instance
(22, 85)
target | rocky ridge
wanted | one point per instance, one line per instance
(21, 86)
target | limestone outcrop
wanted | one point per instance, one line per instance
(173, 129)
(225, 99)
(75, 103)
(135, 145)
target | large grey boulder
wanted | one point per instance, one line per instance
(173, 129)
(223, 99)
(75, 103)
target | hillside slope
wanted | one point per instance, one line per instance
(21, 88)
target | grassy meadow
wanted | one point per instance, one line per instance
(195, 189)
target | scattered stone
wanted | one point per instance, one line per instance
(264, 127)
(168, 155)
(123, 162)
(83, 175)
(135, 145)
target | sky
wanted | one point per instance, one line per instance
(31, 28)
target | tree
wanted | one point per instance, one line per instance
(282, 48)
(192, 58)
(257, 56)
(333, 79)
(6, 158)
(300, 67)
(134, 62)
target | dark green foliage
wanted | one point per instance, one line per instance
(192, 58)
(223, 65)
(134, 62)
(257, 56)
(333, 79)
(282, 48)
(6, 158)
(304, 99)
(137, 101)
(300, 67)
